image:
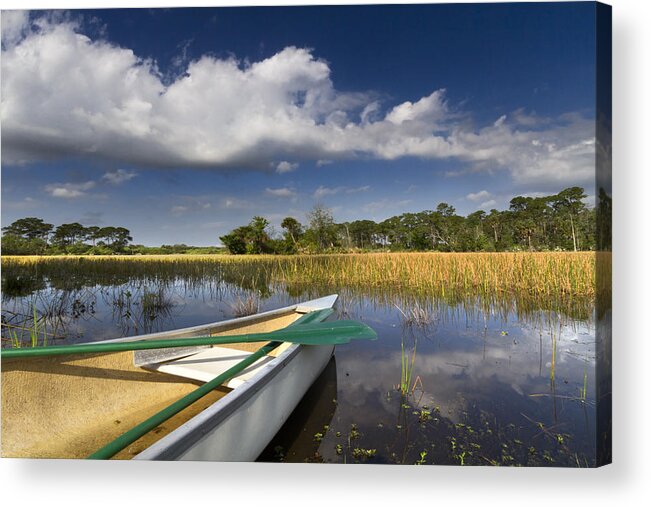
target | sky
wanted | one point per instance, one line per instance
(182, 124)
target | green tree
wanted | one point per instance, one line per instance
(569, 205)
(293, 229)
(13, 244)
(68, 234)
(362, 233)
(236, 240)
(29, 228)
(322, 232)
(414, 231)
(292, 235)
(533, 223)
(105, 235)
(438, 229)
(523, 220)
(121, 238)
(495, 223)
(258, 239)
(92, 233)
(391, 232)
(472, 235)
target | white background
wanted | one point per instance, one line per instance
(626, 482)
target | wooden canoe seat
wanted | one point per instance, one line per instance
(206, 364)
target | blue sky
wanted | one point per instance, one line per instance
(181, 124)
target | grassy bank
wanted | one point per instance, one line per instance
(522, 283)
(549, 274)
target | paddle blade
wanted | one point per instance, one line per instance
(325, 333)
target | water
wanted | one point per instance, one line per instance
(481, 392)
(481, 384)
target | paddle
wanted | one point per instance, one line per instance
(136, 432)
(319, 333)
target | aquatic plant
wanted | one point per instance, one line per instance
(406, 368)
(245, 306)
(155, 302)
(424, 415)
(28, 329)
(416, 315)
(359, 452)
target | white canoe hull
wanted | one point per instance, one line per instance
(71, 406)
(239, 426)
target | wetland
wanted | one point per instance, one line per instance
(482, 359)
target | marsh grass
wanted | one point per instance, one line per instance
(549, 274)
(429, 287)
(545, 273)
(562, 282)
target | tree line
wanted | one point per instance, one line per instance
(554, 222)
(33, 236)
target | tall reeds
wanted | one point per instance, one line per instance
(555, 281)
(546, 273)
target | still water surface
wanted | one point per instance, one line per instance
(481, 384)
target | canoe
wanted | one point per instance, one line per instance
(70, 405)
(314, 413)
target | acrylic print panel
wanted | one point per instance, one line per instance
(333, 234)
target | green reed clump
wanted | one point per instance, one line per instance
(406, 368)
(245, 306)
(155, 302)
(31, 330)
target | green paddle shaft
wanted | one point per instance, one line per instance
(320, 333)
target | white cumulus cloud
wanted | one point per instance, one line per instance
(178, 210)
(281, 192)
(119, 176)
(286, 167)
(65, 94)
(323, 191)
(69, 190)
(478, 196)
(488, 204)
(14, 24)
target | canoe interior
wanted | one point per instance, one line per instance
(70, 406)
